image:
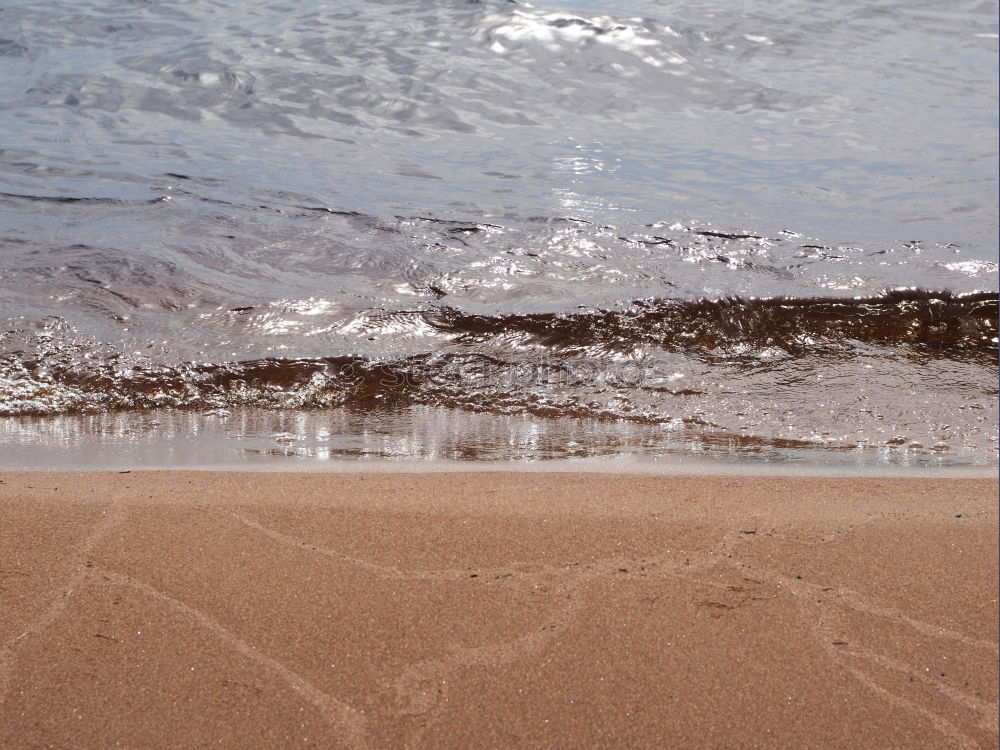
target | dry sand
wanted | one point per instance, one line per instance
(496, 610)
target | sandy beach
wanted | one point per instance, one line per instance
(496, 610)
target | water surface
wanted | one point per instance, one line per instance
(718, 223)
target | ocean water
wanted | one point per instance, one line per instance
(501, 230)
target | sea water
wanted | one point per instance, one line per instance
(499, 230)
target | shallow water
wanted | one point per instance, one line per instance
(432, 439)
(706, 223)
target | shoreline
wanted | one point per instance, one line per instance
(440, 439)
(518, 609)
(673, 466)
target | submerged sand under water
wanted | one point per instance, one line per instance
(436, 439)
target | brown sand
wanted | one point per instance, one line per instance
(496, 610)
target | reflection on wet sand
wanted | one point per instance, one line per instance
(432, 437)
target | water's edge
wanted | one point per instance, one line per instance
(432, 440)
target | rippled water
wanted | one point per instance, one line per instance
(756, 226)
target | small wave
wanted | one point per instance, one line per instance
(493, 362)
(82, 199)
(899, 316)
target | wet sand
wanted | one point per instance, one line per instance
(181, 609)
